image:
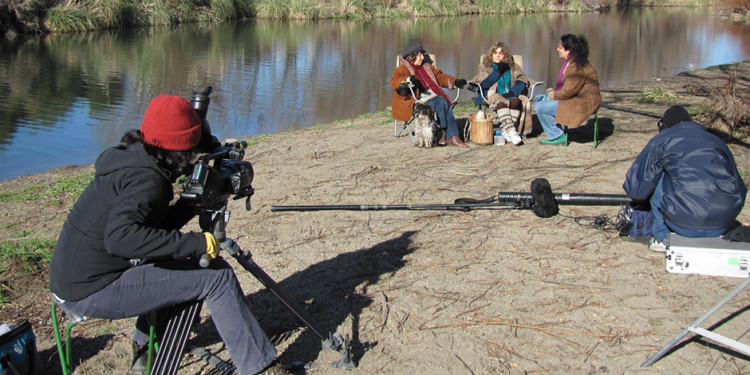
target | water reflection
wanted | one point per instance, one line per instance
(65, 98)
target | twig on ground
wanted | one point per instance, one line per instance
(577, 285)
(589, 352)
(498, 323)
(472, 310)
(465, 364)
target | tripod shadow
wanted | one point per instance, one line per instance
(330, 291)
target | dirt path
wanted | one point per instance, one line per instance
(443, 292)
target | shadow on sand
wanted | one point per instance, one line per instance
(331, 291)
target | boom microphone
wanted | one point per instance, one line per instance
(541, 200)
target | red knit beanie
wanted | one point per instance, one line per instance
(171, 123)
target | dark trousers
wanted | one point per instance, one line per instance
(157, 287)
(445, 115)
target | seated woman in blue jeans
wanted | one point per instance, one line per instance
(576, 93)
(416, 68)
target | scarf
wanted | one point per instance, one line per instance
(423, 77)
(504, 83)
(559, 83)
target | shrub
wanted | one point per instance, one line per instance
(656, 94)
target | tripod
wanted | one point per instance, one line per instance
(180, 323)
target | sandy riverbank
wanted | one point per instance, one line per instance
(442, 292)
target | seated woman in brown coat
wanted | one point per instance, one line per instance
(503, 83)
(427, 80)
(576, 93)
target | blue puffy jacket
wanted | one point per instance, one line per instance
(702, 187)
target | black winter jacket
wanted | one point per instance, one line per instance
(121, 217)
(702, 188)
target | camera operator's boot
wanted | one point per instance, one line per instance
(140, 360)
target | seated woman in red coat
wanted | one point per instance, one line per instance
(427, 80)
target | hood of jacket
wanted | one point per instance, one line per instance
(133, 156)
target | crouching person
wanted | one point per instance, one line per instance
(689, 177)
(121, 254)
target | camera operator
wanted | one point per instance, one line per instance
(121, 254)
(690, 178)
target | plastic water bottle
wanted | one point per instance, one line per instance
(499, 138)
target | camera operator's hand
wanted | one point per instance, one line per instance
(212, 245)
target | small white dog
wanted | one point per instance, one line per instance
(426, 129)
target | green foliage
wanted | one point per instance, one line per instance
(65, 19)
(386, 12)
(450, 7)
(492, 6)
(656, 94)
(34, 250)
(424, 8)
(107, 14)
(509, 6)
(290, 9)
(63, 186)
(354, 9)
(699, 110)
(254, 141)
(576, 6)
(271, 9)
(85, 15)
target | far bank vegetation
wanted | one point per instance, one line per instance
(45, 16)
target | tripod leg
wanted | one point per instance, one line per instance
(173, 341)
(329, 341)
(696, 323)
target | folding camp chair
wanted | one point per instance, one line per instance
(163, 358)
(406, 125)
(518, 59)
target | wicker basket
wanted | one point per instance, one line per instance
(481, 130)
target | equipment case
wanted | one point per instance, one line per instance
(707, 256)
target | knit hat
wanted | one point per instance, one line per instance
(411, 48)
(674, 115)
(171, 123)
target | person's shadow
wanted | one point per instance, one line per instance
(330, 291)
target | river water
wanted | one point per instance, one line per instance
(64, 98)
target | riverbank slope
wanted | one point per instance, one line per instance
(36, 16)
(439, 292)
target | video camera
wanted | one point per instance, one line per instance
(209, 186)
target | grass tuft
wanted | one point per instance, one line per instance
(34, 252)
(656, 94)
(63, 186)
